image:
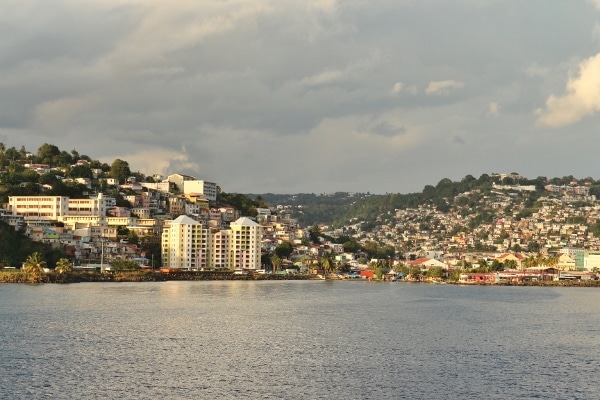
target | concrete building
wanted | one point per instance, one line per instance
(38, 208)
(246, 243)
(188, 184)
(188, 244)
(208, 189)
(184, 244)
(58, 208)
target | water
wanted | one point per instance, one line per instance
(298, 340)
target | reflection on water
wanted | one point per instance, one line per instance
(297, 339)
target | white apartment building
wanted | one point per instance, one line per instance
(245, 243)
(188, 184)
(59, 208)
(184, 244)
(187, 244)
(208, 189)
(38, 208)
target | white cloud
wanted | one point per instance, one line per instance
(398, 86)
(323, 78)
(535, 70)
(151, 161)
(595, 3)
(326, 6)
(493, 109)
(582, 97)
(442, 87)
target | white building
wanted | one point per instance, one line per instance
(188, 185)
(245, 243)
(187, 244)
(59, 208)
(184, 243)
(36, 208)
(208, 189)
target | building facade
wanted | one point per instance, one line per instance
(184, 242)
(188, 244)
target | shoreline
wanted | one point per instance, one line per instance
(141, 276)
(155, 276)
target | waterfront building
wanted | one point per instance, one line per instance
(246, 243)
(184, 244)
(188, 244)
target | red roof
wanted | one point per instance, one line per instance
(419, 261)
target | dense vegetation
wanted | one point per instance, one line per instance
(15, 247)
(244, 204)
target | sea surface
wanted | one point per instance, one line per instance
(298, 340)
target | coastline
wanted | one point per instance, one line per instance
(156, 276)
(141, 276)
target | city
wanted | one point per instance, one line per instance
(537, 233)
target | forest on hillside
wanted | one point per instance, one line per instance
(339, 208)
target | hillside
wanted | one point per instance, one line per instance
(15, 247)
(338, 208)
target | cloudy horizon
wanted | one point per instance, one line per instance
(308, 96)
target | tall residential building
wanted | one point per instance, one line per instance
(245, 243)
(187, 244)
(184, 244)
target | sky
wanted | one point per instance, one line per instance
(308, 96)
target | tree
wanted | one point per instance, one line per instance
(63, 266)
(34, 264)
(81, 171)
(328, 263)
(529, 262)
(510, 264)
(314, 234)
(120, 170)
(436, 272)
(276, 263)
(48, 153)
(552, 261)
(284, 249)
(124, 265)
(132, 237)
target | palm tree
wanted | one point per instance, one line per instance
(63, 266)
(530, 262)
(34, 265)
(328, 263)
(552, 261)
(276, 262)
(510, 264)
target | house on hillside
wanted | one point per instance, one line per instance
(425, 264)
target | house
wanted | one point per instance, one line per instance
(425, 264)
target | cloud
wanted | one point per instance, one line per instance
(161, 161)
(386, 129)
(582, 97)
(458, 140)
(326, 6)
(212, 88)
(493, 109)
(398, 86)
(595, 3)
(323, 78)
(442, 87)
